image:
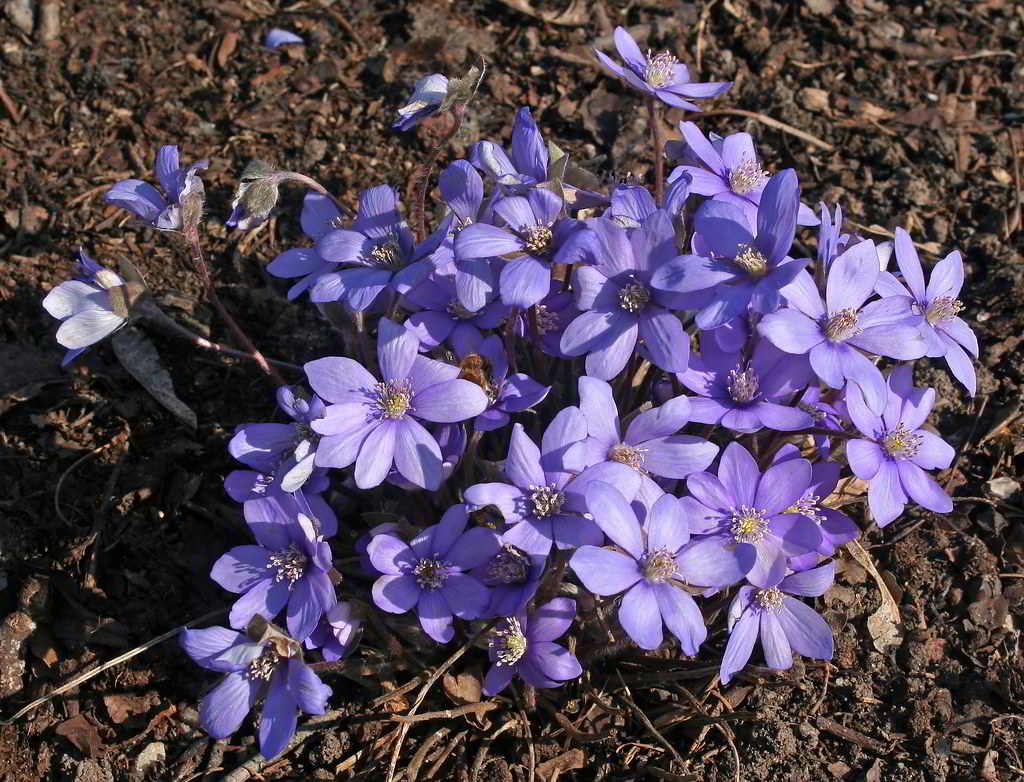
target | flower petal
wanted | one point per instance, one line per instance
(615, 517)
(222, 710)
(640, 617)
(396, 594)
(682, 617)
(603, 571)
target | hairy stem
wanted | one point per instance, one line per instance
(199, 261)
(315, 186)
(422, 180)
(658, 142)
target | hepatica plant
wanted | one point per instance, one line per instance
(562, 420)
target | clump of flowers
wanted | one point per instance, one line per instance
(564, 418)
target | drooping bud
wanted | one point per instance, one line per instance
(255, 196)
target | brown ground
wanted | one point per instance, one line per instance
(918, 103)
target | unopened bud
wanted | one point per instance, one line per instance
(256, 195)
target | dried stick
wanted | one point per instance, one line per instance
(446, 714)
(764, 119)
(110, 664)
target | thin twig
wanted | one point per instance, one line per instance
(110, 664)
(485, 745)
(1013, 223)
(404, 727)
(446, 714)
(625, 698)
(764, 119)
(67, 472)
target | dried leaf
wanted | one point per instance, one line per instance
(884, 624)
(138, 355)
(578, 12)
(462, 688)
(83, 734)
(226, 47)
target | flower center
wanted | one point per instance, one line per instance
(746, 176)
(509, 643)
(807, 506)
(659, 70)
(768, 599)
(457, 311)
(546, 320)
(387, 252)
(547, 500)
(430, 573)
(634, 297)
(742, 385)
(748, 525)
(942, 309)
(842, 325)
(538, 240)
(629, 455)
(751, 260)
(901, 443)
(393, 398)
(262, 668)
(659, 566)
(508, 566)
(290, 564)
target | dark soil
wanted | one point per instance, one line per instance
(111, 511)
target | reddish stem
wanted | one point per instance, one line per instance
(656, 139)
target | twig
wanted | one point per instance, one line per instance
(1014, 222)
(449, 748)
(100, 520)
(110, 664)
(253, 766)
(529, 738)
(412, 771)
(67, 472)
(403, 729)
(485, 745)
(199, 262)
(161, 319)
(849, 734)
(963, 448)
(772, 123)
(446, 714)
(625, 698)
(409, 686)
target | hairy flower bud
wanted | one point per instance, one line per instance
(256, 195)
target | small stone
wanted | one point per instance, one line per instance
(153, 753)
(1002, 487)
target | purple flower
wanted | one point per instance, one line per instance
(286, 450)
(645, 569)
(444, 316)
(428, 95)
(263, 501)
(319, 216)
(544, 496)
(730, 171)
(256, 670)
(527, 161)
(737, 267)
(836, 528)
(288, 567)
(523, 645)
(160, 210)
(933, 308)
(896, 452)
(379, 250)
(744, 520)
(834, 332)
(277, 37)
(430, 572)
(505, 393)
(786, 624)
(90, 307)
(376, 423)
(534, 235)
(338, 632)
(651, 444)
(513, 576)
(619, 304)
(747, 395)
(660, 75)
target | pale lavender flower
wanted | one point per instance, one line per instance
(523, 645)
(286, 450)
(444, 316)
(834, 331)
(90, 307)
(744, 521)
(659, 74)
(376, 423)
(276, 37)
(620, 307)
(737, 264)
(338, 632)
(160, 209)
(746, 395)
(645, 568)
(288, 567)
(730, 170)
(785, 624)
(897, 452)
(651, 444)
(430, 573)
(933, 308)
(544, 496)
(263, 501)
(429, 93)
(524, 165)
(319, 216)
(256, 670)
